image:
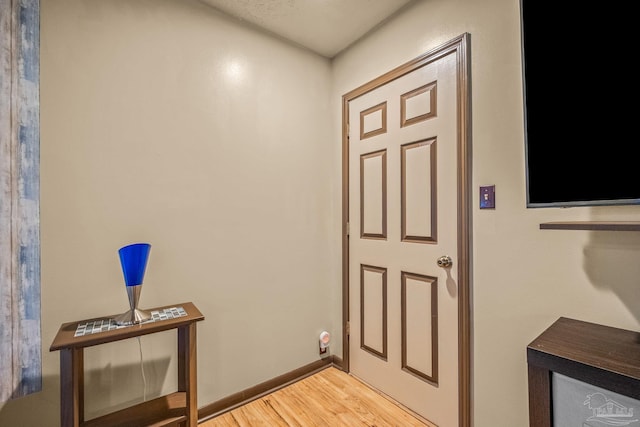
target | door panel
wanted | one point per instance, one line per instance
(373, 195)
(404, 198)
(419, 311)
(418, 180)
(373, 310)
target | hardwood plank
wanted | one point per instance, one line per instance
(248, 395)
(255, 415)
(226, 420)
(329, 397)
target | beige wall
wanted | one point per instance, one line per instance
(163, 121)
(524, 278)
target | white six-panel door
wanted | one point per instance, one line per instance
(403, 196)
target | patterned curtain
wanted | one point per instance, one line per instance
(20, 339)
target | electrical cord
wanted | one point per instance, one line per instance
(144, 379)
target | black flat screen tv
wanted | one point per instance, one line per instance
(579, 90)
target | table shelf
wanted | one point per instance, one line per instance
(163, 411)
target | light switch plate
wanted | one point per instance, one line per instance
(488, 197)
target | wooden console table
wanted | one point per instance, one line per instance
(178, 408)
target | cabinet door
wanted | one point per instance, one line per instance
(576, 403)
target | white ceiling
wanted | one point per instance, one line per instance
(323, 26)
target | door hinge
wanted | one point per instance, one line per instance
(348, 328)
(348, 229)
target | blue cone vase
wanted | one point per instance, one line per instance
(133, 259)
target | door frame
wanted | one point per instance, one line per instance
(460, 47)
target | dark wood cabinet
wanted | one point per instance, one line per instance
(593, 354)
(178, 408)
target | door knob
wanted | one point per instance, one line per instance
(445, 261)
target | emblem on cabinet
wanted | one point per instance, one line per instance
(608, 411)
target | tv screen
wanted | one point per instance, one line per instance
(579, 89)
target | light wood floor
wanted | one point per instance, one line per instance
(328, 398)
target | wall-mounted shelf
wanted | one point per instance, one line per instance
(592, 225)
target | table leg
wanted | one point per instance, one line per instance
(187, 375)
(71, 387)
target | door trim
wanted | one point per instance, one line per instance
(460, 47)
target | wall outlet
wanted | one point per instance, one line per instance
(323, 343)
